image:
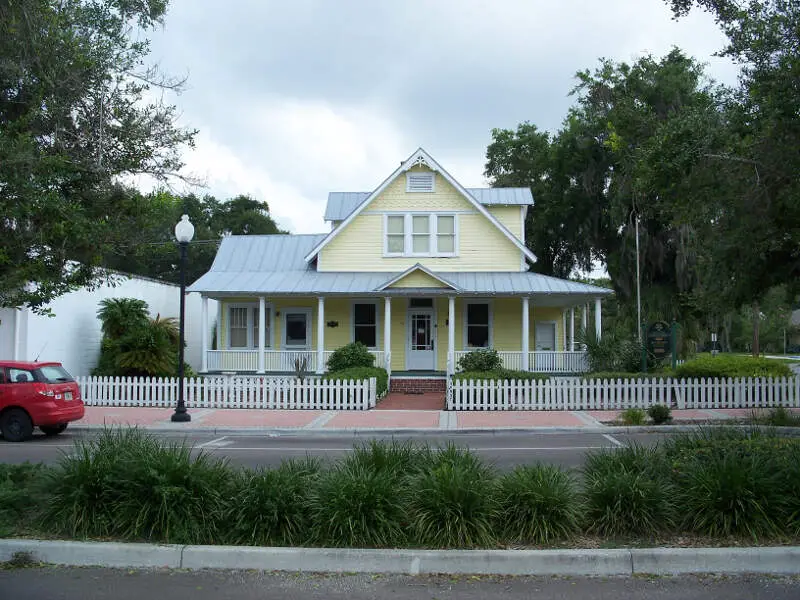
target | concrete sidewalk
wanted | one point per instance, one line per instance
(434, 420)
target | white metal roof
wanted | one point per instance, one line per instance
(273, 265)
(341, 204)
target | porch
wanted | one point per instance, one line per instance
(414, 334)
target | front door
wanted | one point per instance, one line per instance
(420, 354)
(296, 339)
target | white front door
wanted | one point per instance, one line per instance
(420, 350)
(546, 336)
(296, 339)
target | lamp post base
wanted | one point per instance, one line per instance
(181, 417)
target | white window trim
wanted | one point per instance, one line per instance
(430, 174)
(378, 339)
(252, 335)
(464, 310)
(408, 235)
(309, 329)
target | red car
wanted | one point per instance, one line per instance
(36, 394)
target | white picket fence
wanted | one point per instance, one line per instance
(230, 392)
(574, 393)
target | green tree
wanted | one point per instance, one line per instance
(753, 240)
(73, 119)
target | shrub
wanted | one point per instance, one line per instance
(128, 484)
(614, 353)
(624, 376)
(730, 365)
(351, 356)
(781, 417)
(537, 504)
(633, 416)
(628, 492)
(450, 502)
(270, 507)
(483, 359)
(500, 375)
(361, 373)
(356, 506)
(660, 414)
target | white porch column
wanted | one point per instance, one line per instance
(526, 333)
(572, 329)
(320, 334)
(219, 325)
(585, 318)
(564, 330)
(451, 335)
(598, 319)
(262, 332)
(204, 334)
(387, 333)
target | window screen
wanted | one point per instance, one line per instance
(365, 324)
(477, 325)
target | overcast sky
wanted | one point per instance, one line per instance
(296, 98)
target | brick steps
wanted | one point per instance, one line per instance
(417, 385)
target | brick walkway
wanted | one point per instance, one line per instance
(399, 401)
(423, 416)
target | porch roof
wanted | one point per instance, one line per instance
(273, 265)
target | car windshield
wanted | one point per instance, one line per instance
(53, 374)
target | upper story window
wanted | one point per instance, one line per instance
(420, 182)
(421, 234)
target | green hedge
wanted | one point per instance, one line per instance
(731, 365)
(359, 373)
(500, 375)
(132, 486)
(613, 375)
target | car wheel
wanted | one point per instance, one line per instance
(50, 430)
(16, 425)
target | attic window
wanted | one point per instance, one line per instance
(419, 182)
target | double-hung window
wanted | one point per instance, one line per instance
(477, 325)
(365, 323)
(421, 234)
(243, 326)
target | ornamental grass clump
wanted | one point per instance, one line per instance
(270, 507)
(401, 458)
(451, 501)
(129, 485)
(354, 505)
(735, 483)
(628, 492)
(537, 504)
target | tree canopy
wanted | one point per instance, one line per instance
(74, 118)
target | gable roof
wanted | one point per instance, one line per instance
(420, 157)
(421, 269)
(341, 204)
(250, 253)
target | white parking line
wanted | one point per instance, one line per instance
(348, 449)
(213, 443)
(613, 440)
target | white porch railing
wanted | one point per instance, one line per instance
(275, 361)
(230, 392)
(575, 393)
(541, 361)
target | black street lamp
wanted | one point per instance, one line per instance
(184, 232)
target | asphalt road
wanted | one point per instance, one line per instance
(504, 449)
(108, 584)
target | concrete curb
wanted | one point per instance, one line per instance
(363, 431)
(665, 561)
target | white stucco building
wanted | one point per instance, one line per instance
(72, 334)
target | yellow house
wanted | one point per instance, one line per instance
(421, 270)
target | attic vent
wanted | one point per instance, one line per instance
(419, 182)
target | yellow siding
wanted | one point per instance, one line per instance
(418, 279)
(510, 216)
(482, 247)
(398, 341)
(506, 320)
